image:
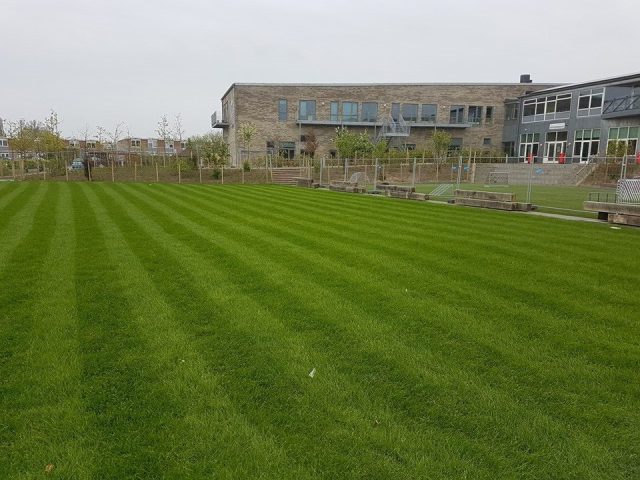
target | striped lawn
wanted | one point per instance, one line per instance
(167, 331)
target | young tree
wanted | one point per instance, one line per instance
(178, 130)
(349, 143)
(165, 133)
(211, 147)
(440, 143)
(311, 144)
(246, 131)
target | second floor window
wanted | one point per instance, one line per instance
(590, 102)
(410, 112)
(350, 111)
(456, 114)
(429, 113)
(475, 114)
(369, 111)
(307, 110)
(282, 110)
(135, 142)
(335, 111)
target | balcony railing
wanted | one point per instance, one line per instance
(622, 104)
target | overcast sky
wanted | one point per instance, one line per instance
(105, 62)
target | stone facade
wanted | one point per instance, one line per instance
(259, 104)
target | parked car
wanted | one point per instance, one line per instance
(77, 165)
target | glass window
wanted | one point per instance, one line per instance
(307, 110)
(334, 110)
(409, 146)
(512, 111)
(590, 102)
(488, 116)
(410, 112)
(486, 141)
(613, 134)
(369, 112)
(287, 149)
(455, 145)
(395, 111)
(349, 111)
(456, 114)
(564, 103)
(475, 114)
(429, 113)
(282, 110)
(529, 108)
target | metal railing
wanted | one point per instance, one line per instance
(603, 197)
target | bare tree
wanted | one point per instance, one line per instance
(164, 131)
(178, 129)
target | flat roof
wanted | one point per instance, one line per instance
(620, 79)
(408, 84)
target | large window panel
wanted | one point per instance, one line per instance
(429, 113)
(369, 112)
(282, 110)
(349, 111)
(307, 110)
(475, 114)
(410, 112)
(456, 114)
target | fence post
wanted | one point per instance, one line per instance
(157, 175)
(222, 174)
(321, 167)
(375, 176)
(135, 172)
(329, 174)
(413, 173)
(346, 168)
(243, 174)
(44, 170)
(179, 173)
(66, 170)
(13, 168)
(200, 172)
(113, 171)
(506, 158)
(459, 172)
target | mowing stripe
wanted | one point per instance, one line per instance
(48, 414)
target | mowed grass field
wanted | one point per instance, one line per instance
(168, 331)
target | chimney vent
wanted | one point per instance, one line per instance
(525, 78)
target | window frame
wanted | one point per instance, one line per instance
(283, 114)
(307, 117)
(435, 112)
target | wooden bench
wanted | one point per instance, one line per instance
(495, 200)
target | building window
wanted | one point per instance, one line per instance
(511, 111)
(183, 145)
(135, 142)
(72, 143)
(410, 112)
(369, 112)
(555, 144)
(91, 144)
(456, 114)
(282, 110)
(307, 110)
(529, 143)
(509, 148)
(488, 115)
(333, 153)
(152, 144)
(271, 147)
(287, 150)
(486, 141)
(586, 143)
(553, 107)
(429, 113)
(455, 145)
(475, 114)
(590, 102)
(395, 111)
(409, 146)
(349, 111)
(334, 112)
(625, 135)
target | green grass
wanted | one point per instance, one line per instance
(563, 200)
(167, 331)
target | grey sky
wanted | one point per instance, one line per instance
(105, 62)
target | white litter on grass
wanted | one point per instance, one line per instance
(312, 373)
(616, 228)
